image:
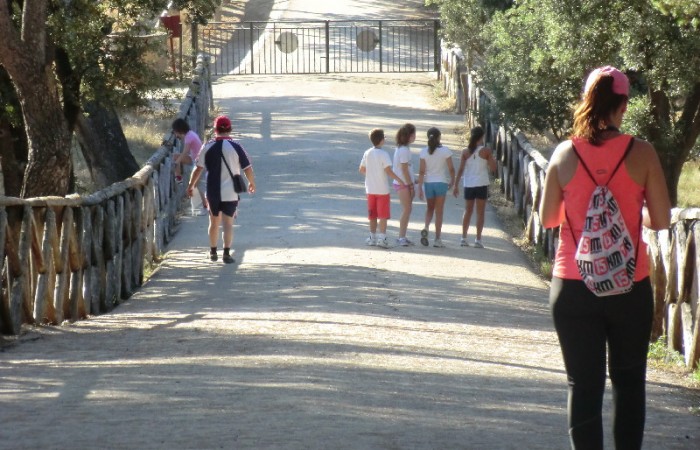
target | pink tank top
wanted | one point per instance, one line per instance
(629, 195)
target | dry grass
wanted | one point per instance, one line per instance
(689, 186)
(441, 101)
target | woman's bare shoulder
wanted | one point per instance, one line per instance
(561, 153)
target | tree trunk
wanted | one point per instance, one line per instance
(48, 169)
(23, 54)
(104, 145)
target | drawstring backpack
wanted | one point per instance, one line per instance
(605, 255)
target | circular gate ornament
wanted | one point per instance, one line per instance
(287, 42)
(367, 40)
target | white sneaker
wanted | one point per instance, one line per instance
(404, 242)
(438, 243)
(371, 241)
(463, 242)
(383, 243)
(478, 244)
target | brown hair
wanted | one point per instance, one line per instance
(180, 125)
(476, 134)
(433, 139)
(403, 136)
(593, 112)
(376, 136)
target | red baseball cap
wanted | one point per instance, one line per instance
(621, 84)
(222, 123)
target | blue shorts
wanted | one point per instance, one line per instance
(432, 190)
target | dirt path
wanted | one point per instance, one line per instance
(312, 340)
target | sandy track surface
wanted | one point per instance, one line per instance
(312, 340)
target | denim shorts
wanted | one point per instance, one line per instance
(432, 190)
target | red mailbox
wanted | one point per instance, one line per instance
(172, 23)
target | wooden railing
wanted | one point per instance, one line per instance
(65, 258)
(674, 253)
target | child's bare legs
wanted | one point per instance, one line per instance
(373, 226)
(467, 217)
(382, 226)
(429, 211)
(406, 198)
(480, 209)
(439, 210)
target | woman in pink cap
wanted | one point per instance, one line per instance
(585, 323)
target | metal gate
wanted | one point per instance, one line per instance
(322, 46)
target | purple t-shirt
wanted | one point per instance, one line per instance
(192, 145)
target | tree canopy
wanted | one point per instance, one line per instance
(71, 59)
(535, 54)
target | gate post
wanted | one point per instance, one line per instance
(195, 44)
(437, 47)
(252, 47)
(381, 50)
(328, 46)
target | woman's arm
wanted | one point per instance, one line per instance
(460, 172)
(451, 169)
(250, 175)
(421, 176)
(552, 203)
(490, 159)
(407, 176)
(657, 213)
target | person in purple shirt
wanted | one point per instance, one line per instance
(191, 144)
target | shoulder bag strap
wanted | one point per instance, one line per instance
(225, 163)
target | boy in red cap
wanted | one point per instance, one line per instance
(222, 157)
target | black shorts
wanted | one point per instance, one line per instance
(228, 208)
(479, 192)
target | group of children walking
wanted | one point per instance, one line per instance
(436, 177)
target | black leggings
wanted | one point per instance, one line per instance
(584, 324)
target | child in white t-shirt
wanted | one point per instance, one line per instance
(403, 167)
(376, 167)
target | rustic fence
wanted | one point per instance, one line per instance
(64, 258)
(674, 253)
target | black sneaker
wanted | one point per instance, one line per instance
(424, 237)
(228, 259)
(213, 256)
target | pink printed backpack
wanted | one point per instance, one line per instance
(605, 255)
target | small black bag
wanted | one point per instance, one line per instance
(239, 185)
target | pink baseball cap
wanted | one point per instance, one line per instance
(621, 85)
(222, 123)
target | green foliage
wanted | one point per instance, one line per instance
(686, 12)
(521, 73)
(9, 104)
(463, 21)
(659, 352)
(533, 56)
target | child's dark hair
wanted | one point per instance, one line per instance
(180, 126)
(476, 134)
(403, 136)
(376, 136)
(433, 139)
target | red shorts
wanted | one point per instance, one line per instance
(378, 206)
